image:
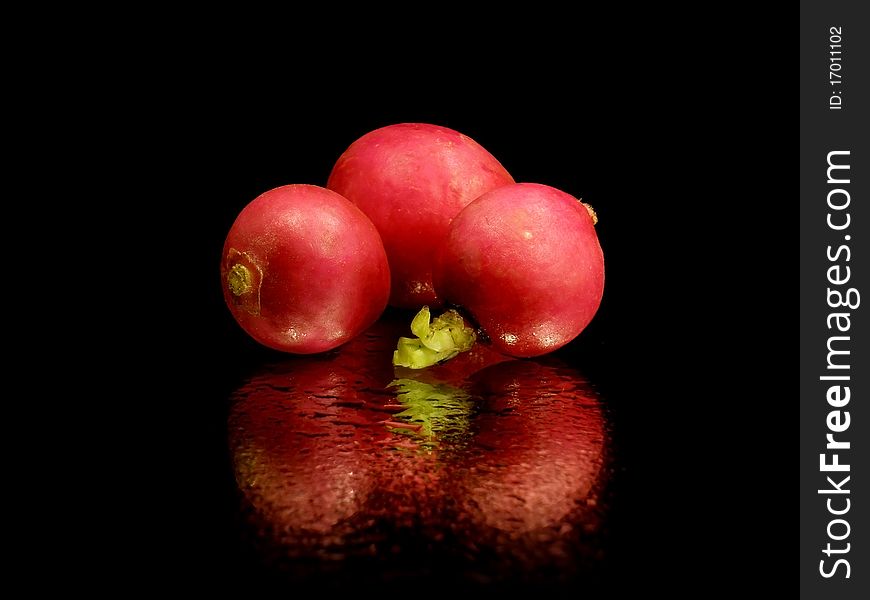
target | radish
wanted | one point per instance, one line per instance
(411, 179)
(303, 270)
(524, 262)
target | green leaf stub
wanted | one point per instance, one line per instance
(436, 341)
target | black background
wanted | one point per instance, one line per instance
(677, 159)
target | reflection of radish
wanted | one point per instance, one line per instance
(303, 439)
(411, 180)
(301, 458)
(304, 270)
(300, 455)
(315, 457)
(494, 467)
(538, 446)
(525, 262)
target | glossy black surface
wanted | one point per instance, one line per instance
(481, 470)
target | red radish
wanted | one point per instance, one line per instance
(411, 179)
(303, 270)
(524, 261)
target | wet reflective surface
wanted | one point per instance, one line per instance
(481, 470)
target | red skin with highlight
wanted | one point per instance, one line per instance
(310, 268)
(411, 179)
(524, 261)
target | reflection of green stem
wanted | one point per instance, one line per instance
(440, 340)
(442, 411)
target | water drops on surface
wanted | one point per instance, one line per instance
(496, 467)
